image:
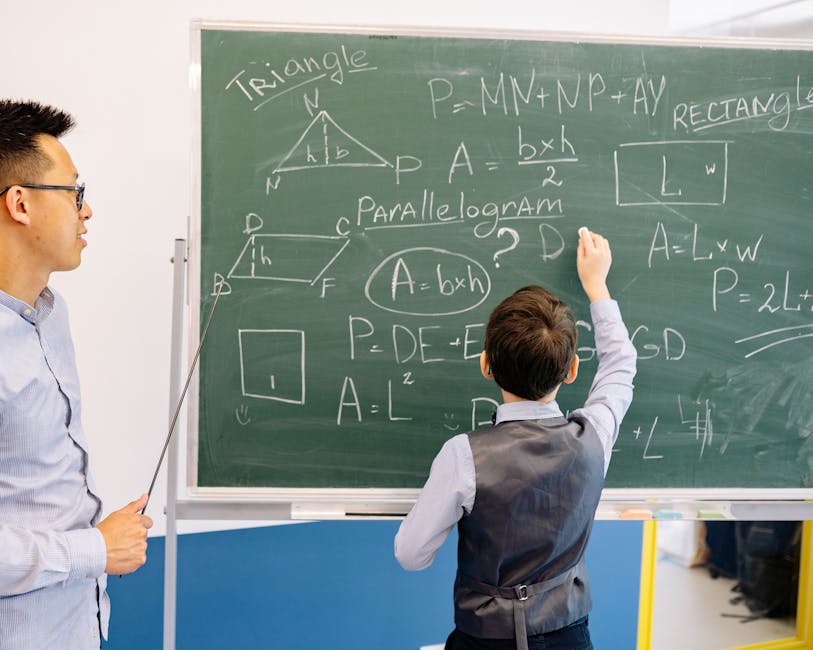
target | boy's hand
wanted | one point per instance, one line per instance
(593, 260)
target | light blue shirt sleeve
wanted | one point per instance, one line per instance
(33, 559)
(447, 494)
(611, 392)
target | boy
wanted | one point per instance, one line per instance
(524, 493)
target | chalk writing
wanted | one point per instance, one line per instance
(368, 199)
(261, 82)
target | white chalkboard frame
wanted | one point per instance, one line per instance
(342, 503)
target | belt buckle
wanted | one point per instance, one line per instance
(522, 592)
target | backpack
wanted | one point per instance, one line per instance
(721, 544)
(763, 557)
(768, 566)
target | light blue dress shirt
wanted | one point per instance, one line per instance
(52, 560)
(450, 490)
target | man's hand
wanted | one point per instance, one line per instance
(125, 536)
(593, 260)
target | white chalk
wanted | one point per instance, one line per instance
(583, 231)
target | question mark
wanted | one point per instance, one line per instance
(514, 236)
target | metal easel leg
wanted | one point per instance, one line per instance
(175, 378)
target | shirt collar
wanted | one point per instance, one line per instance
(527, 410)
(34, 315)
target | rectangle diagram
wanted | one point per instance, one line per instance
(676, 172)
(272, 364)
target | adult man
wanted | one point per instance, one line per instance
(54, 551)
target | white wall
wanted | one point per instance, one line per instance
(746, 18)
(122, 70)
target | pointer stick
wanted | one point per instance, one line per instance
(183, 395)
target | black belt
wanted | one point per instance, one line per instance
(518, 595)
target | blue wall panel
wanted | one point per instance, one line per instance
(334, 585)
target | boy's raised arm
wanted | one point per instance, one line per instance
(593, 260)
(611, 393)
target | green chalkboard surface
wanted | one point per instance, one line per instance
(367, 198)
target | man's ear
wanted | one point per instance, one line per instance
(573, 371)
(16, 205)
(484, 369)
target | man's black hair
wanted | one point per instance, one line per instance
(21, 122)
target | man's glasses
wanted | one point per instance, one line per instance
(79, 189)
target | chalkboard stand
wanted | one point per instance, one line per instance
(270, 504)
(175, 379)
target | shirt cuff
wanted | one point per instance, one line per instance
(88, 553)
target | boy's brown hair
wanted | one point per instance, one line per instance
(530, 342)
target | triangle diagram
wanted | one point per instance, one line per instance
(325, 144)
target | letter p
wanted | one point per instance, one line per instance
(439, 90)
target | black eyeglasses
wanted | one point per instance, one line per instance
(79, 189)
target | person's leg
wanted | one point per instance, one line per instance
(461, 641)
(575, 636)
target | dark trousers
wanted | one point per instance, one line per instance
(575, 636)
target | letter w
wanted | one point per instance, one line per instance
(751, 255)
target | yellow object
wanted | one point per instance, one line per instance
(804, 609)
(649, 556)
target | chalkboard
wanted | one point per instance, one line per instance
(367, 198)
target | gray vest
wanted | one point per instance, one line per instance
(520, 550)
